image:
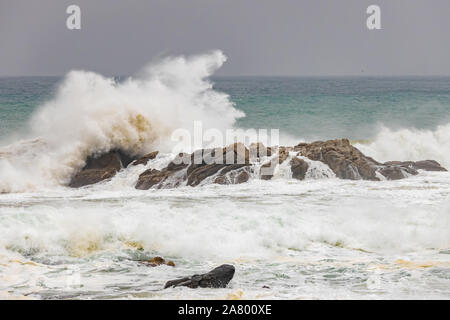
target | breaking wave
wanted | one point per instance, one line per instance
(92, 114)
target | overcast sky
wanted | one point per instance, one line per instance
(260, 37)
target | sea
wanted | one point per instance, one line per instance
(319, 238)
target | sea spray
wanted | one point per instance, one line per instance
(410, 144)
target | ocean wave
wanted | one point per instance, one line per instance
(92, 114)
(192, 224)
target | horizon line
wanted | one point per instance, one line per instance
(256, 76)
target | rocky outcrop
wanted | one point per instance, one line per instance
(100, 168)
(235, 164)
(345, 160)
(230, 165)
(216, 278)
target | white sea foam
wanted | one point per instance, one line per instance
(410, 144)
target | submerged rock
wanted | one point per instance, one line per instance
(427, 165)
(216, 278)
(157, 261)
(100, 168)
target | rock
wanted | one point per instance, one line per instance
(346, 161)
(258, 150)
(392, 173)
(427, 165)
(299, 167)
(146, 158)
(221, 180)
(203, 163)
(231, 165)
(283, 154)
(157, 261)
(152, 177)
(216, 278)
(242, 177)
(100, 168)
(397, 172)
(267, 169)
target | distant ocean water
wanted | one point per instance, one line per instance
(308, 107)
(322, 237)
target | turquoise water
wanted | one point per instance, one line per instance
(339, 107)
(310, 108)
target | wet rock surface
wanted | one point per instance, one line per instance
(229, 164)
(347, 162)
(299, 167)
(100, 168)
(427, 165)
(146, 158)
(216, 278)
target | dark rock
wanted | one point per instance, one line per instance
(299, 167)
(202, 172)
(347, 162)
(427, 165)
(146, 158)
(242, 177)
(153, 177)
(216, 278)
(202, 164)
(232, 165)
(100, 168)
(221, 180)
(392, 173)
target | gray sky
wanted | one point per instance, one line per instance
(260, 37)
